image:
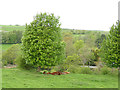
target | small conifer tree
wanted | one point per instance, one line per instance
(110, 50)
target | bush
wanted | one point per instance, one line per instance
(85, 70)
(21, 63)
(80, 70)
(105, 70)
(9, 56)
(11, 37)
(96, 71)
(114, 71)
(73, 60)
(61, 68)
(73, 69)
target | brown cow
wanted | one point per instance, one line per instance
(56, 73)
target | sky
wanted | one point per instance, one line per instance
(74, 14)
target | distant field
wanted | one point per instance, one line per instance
(22, 28)
(12, 27)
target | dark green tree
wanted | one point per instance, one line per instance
(100, 40)
(110, 50)
(42, 44)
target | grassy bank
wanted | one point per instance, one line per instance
(4, 47)
(16, 78)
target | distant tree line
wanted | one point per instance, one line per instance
(11, 37)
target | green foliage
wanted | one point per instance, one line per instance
(96, 53)
(21, 63)
(110, 50)
(78, 31)
(70, 61)
(9, 56)
(100, 40)
(4, 47)
(12, 28)
(42, 44)
(105, 70)
(78, 44)
(74, 59)
(85, 70)
(96, 71)
(114, 72)
(86, 55)
(11, 37)
(68, 39)
(73, 69)
(80, 70)
(60, 68)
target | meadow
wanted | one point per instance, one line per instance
(17, 78)
(12, 27)
(4, 47)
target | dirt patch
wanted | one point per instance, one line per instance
(10, 66)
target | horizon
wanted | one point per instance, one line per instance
(61, 28)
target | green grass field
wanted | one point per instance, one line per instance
(4, 47)
(16, 78)
(12, 27)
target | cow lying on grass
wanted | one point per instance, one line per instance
(56, 73)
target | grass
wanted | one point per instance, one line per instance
(12, 27)
(4, 47)
(16, 78)
(0, 79)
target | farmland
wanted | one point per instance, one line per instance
(104, 78)
(12, 27)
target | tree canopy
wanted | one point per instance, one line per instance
(42, 43)
(110, 50)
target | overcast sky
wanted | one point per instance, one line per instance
(74, 14)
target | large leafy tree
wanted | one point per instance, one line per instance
(110, 50)
(42, 44)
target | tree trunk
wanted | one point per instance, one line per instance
(83, 64)
(38, 69)
(89, 64)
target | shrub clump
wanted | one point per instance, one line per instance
(80, 70)
(73, 69)
(85, 70)
(21, 63)
(9, 56)
(96, 71)
(105, 70)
